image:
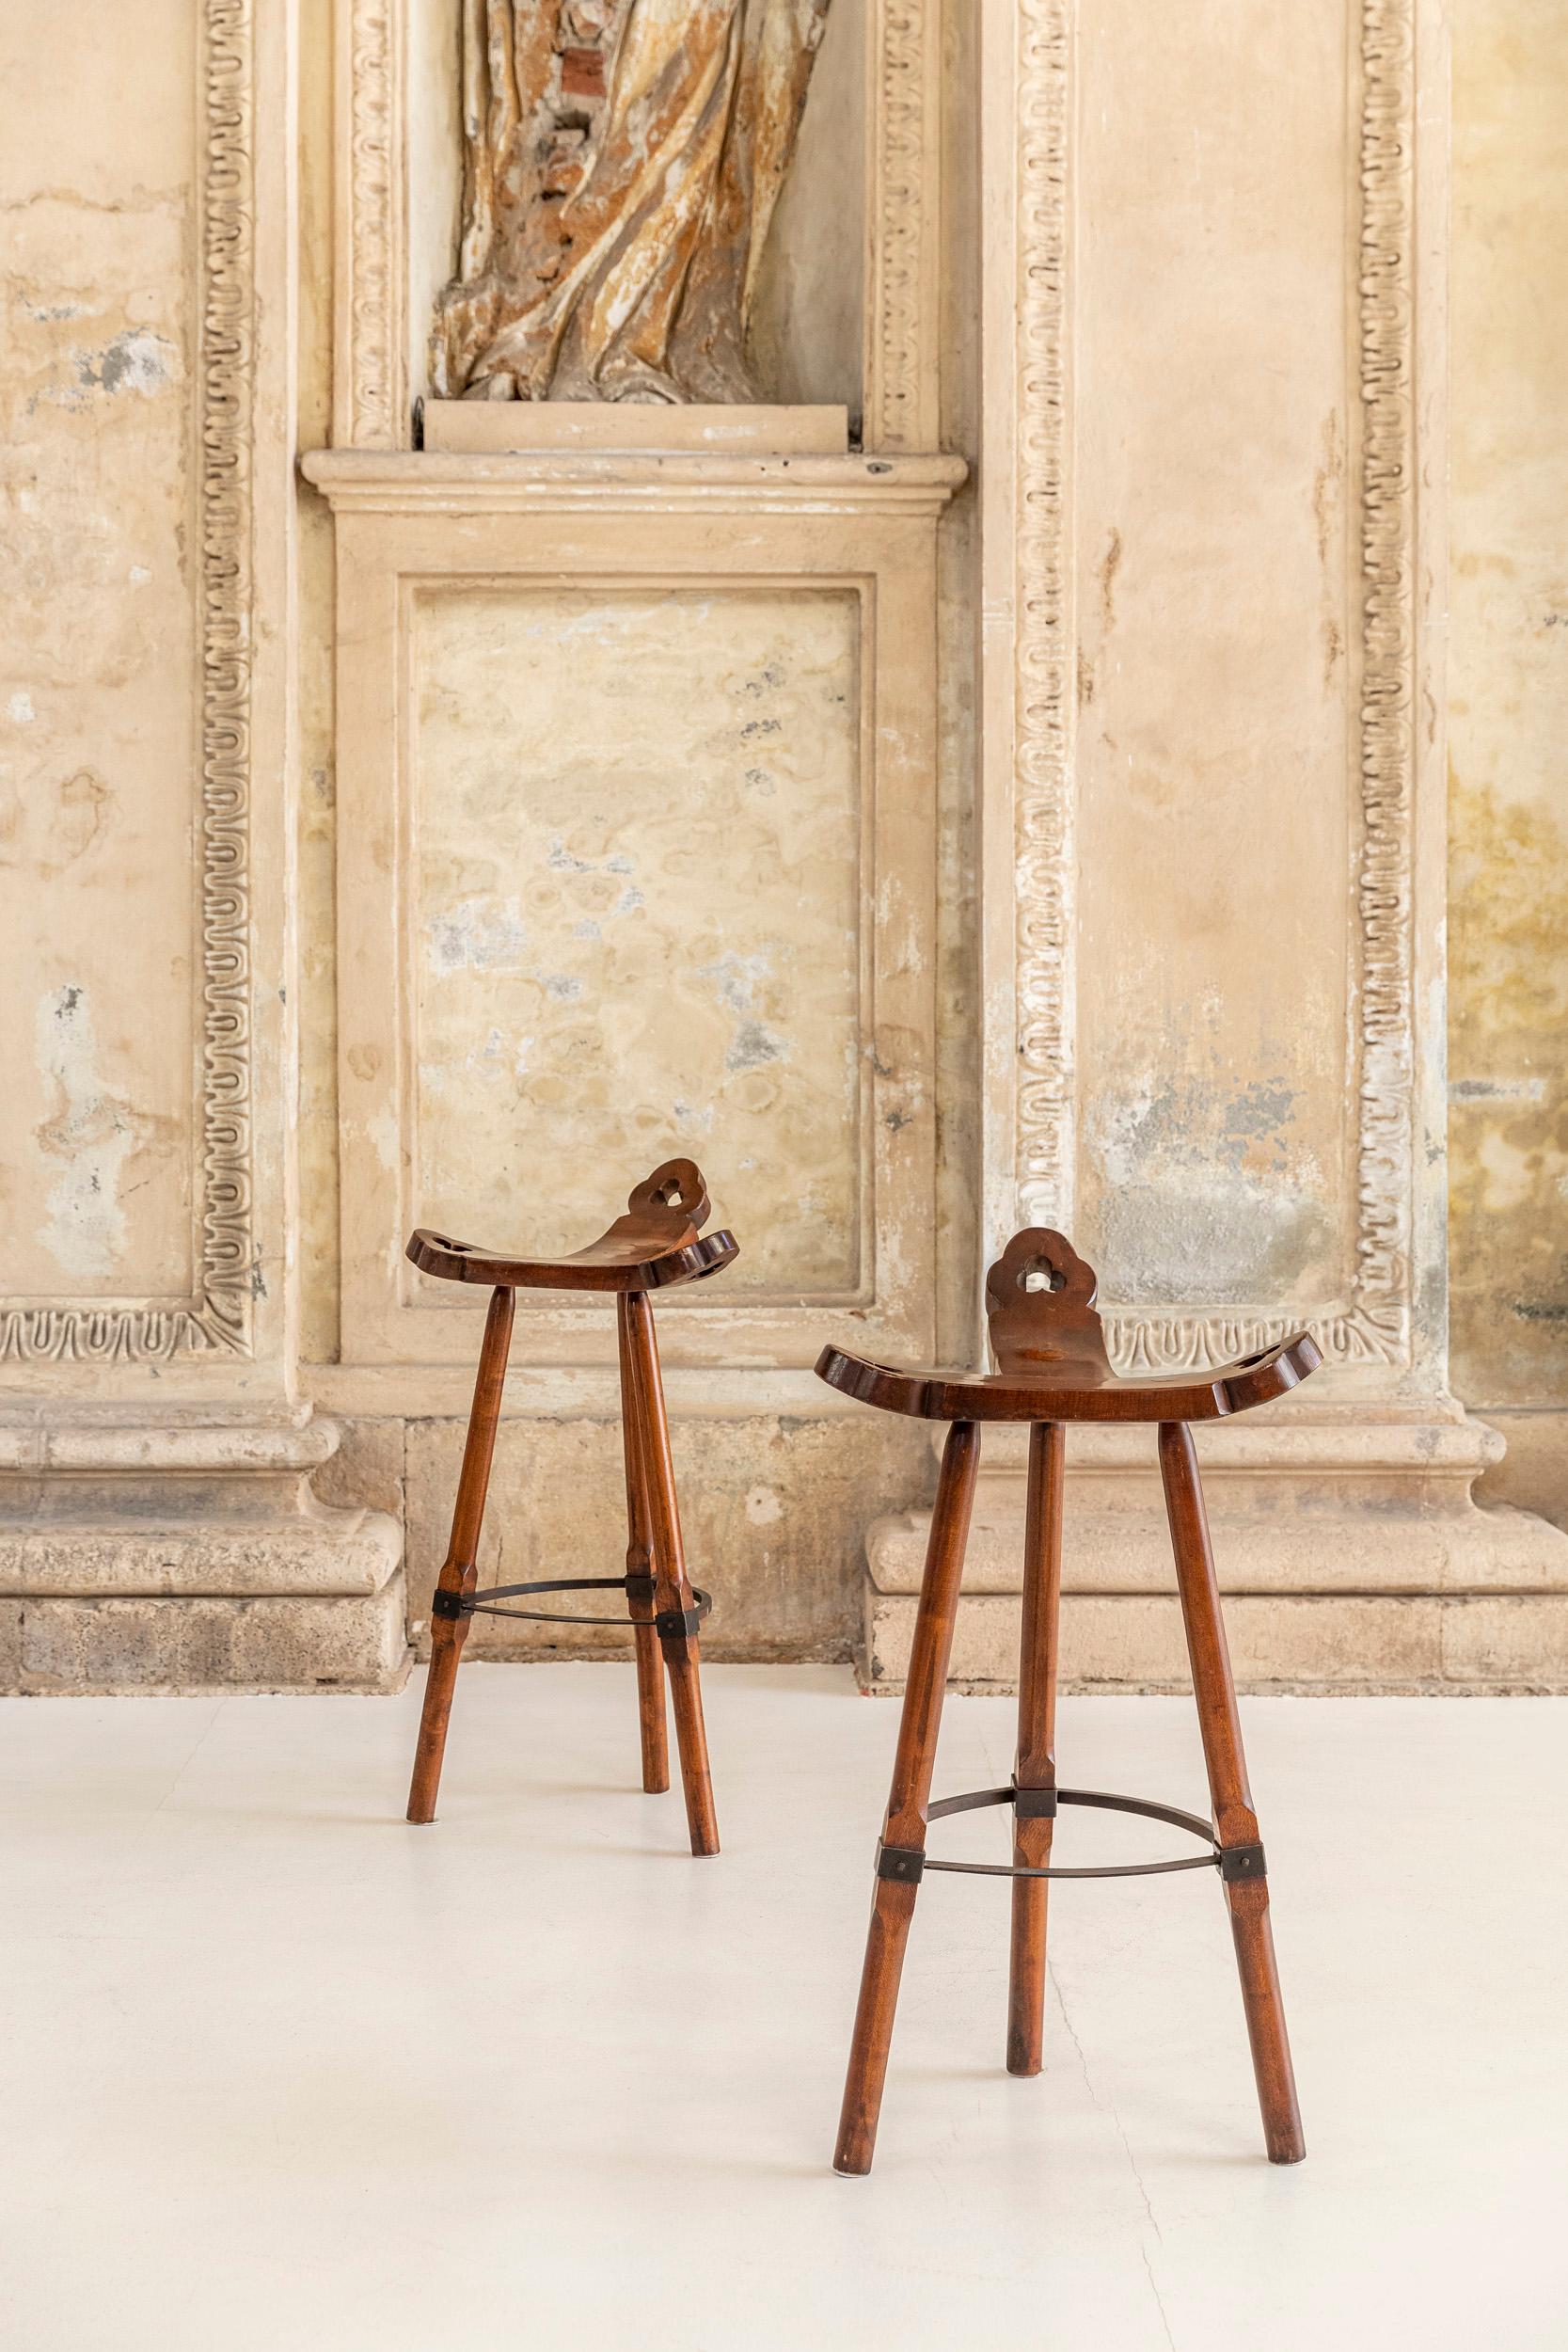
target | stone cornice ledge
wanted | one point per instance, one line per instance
(413, 482)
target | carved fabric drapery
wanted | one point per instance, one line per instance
(623, 158)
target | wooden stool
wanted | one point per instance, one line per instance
(1052, 1368)
(658, 1243)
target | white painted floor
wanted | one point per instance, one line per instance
(277, 2071)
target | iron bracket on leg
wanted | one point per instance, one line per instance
(673, 1625)
(906, 1864)
(1033, 1804)
(1242, 1862)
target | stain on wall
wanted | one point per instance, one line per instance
(1508, 905)
(1509, 1099)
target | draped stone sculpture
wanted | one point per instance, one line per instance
(623, 158)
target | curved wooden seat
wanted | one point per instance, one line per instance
(658, 1243)
(1051, 1365)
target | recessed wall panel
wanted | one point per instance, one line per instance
(1215, 467)
(634, 914)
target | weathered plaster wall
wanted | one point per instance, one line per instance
(1202, 523)
(1509, 740)
(97, 661)
(318, 961)
(1216, 940)
(637, 910)
(1205, 520)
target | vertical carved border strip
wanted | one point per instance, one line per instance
(367, 409)
(219, 1316)
(904, 86)
(1373, 1325)
(227, 391)
(1044, 842)
(1379, 1325)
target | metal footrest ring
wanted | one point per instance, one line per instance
(909, 1863)
(483, 1604)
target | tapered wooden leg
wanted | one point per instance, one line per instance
(1235, 1822)
(459, 1571)
(672, 1588)
(893, 1902)
(1037, 1741)
(650, 1666)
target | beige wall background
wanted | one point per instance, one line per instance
(110, 521)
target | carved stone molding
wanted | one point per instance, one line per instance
(904, 82)
(1043, 869)
(369, 410)
(636, 545)
(1372, 1325)
(218, 1317)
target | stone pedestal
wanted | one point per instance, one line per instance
(189, 1553)
(1352, 1554)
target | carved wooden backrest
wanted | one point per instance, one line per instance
(1040, 1300)
(673, 1200)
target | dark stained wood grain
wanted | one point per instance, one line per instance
(941, 1395)
(658, 1243)
(1035, 1767)
(460, 1568)
(893, 1903)
(1235, 1822)
(1039, 1308)
(671, 1589)
(1051, 1365)
(652, 1729)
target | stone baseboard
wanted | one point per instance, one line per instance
(1328, 1644)
(190, 1557)
(1352, 1554)
(102, 1648)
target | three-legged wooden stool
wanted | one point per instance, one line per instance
(1052, 1368)
(658, 1243)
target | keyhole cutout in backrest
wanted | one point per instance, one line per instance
(1040, 1300)
(675, 1195)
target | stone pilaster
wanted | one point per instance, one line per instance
(158, 1529)
(1211, 834)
